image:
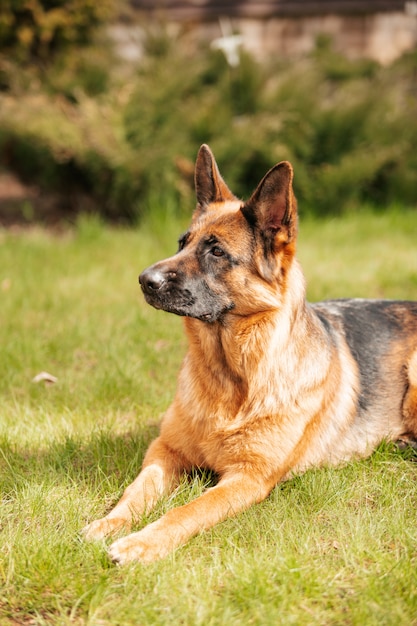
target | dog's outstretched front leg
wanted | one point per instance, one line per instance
(160, 472)
(157, 540)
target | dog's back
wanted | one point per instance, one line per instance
(381, 337)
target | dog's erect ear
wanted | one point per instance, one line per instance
(209, 185)
(272, 208)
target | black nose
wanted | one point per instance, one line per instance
(151, 279)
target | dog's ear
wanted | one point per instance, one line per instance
(272, 208)
(209, 185)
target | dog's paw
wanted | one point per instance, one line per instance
(104, 527)
(142, 546)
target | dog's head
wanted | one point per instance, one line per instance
(235, 255)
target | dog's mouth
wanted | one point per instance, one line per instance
(182, 307)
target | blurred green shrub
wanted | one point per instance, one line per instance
(349, 127)
(37, 28)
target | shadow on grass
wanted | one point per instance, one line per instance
(105, 457)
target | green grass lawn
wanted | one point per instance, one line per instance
(334, 546)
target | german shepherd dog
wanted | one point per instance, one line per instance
(271, 385)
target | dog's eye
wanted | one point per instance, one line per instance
(181, 242)
(217, 251)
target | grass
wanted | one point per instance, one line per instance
(334, 546)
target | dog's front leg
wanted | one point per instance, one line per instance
(160, 471)
(157, 540)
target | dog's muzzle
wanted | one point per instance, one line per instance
(173, 292)
(162, 290)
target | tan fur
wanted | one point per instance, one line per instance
(266, 389)
(410, 400)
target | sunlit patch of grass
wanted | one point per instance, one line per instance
(364, 254)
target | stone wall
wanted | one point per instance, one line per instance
(382, 35)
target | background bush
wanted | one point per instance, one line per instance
(35, 29)
(124, 139)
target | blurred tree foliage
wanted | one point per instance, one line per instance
(126, 136)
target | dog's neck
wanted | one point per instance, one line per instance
(230, 348)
